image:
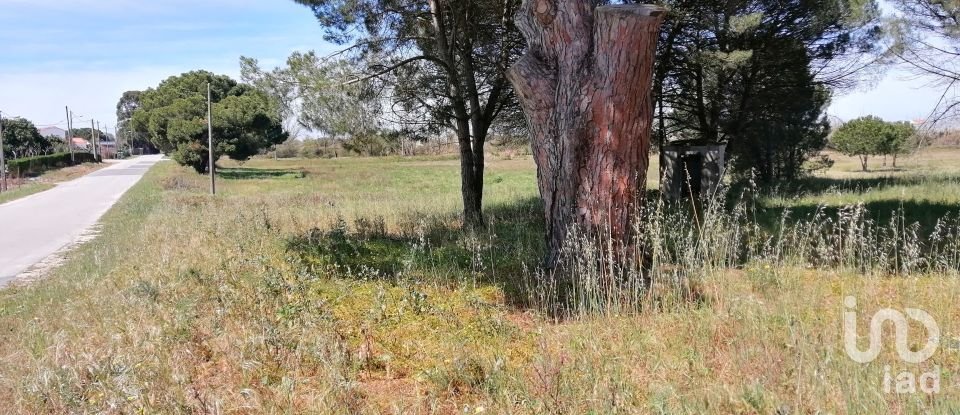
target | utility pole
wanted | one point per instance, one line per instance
(96, 143)
(3, 160)
(213, 167)
(69, 137)
(126, 138)
(93, 140)
(116, 140)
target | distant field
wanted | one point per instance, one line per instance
(345, 286)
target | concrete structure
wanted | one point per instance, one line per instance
(692, 170)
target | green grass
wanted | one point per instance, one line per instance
(346, 286)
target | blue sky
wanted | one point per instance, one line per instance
(86, 53)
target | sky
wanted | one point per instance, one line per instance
(86, 53)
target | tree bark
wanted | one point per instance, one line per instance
(584, 85)
(471, 177)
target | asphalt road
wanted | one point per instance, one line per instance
(36, 226)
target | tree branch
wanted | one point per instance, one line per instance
(397, 65)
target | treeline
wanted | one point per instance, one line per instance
(35, 165)
(173, 118)
(755, 75)
(21, 138)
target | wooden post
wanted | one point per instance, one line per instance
(69, 137)
(213, 167)
(3, 160)
(584, 85)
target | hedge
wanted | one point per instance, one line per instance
(31, 166)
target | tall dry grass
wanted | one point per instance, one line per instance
(345, 287)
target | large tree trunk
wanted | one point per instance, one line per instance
(584, 85)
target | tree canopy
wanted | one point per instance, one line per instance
(126, 107)
(318, 94)
(22, 139)
(757, 75)
(926, 36)
(85, 133)
(871, 136)
(173, 115)
(897, 139)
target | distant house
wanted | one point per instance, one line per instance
(108, 149)
(53, 132)
(80, 143)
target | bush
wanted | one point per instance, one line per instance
(32, 166)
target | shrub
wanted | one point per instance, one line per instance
(32, 166)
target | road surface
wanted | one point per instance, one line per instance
(36, 226)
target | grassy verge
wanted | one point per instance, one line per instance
(343, 286)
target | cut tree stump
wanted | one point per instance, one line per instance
(584, 85)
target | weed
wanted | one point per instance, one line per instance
(351, 289)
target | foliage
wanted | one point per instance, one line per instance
(438, 65)
(87, 133)
(222, 300)
(870, 136)
(173, 115)
(126, 107)
(31, 166)
(318, 94)
(309, 148)
(755, 76)
(58, 144)
(820, 162)
(373, 144)
(22, 139)
(897, 138)
(128, 104)
(926, 38)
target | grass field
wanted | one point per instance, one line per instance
(345, 286)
